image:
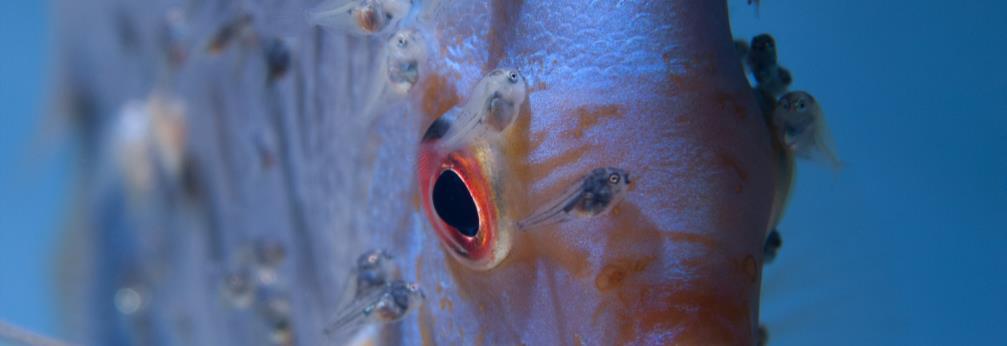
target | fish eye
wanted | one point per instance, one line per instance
(453, 203)
(401, 42)
(514, 77)
(800, 105)
(614, 178)
(461, 205)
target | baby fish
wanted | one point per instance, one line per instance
(238, 289)
(374, 270)
(406, 50)
(404, 53)
(388, 304)
(799, 117)
(772, 246)
(593, 195)
(491, 108)
(762, 52)
(363, 17)
(763, 62)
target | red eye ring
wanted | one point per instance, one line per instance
(467, 184)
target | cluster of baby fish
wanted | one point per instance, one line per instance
(376, 295)
(255, 282)
(794, 117)
(404, 51)
(149, 143)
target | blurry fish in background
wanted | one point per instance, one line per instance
(378, 296)
(406, 52)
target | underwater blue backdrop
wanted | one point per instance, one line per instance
(904, 245)
(33, 170)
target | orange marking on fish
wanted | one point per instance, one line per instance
(730, 103)
(686, 237)
(588, 117)
(726, 160)
(426, 327)
(446, 304)
(538, 86)
(615, 273)
(438, 96)
(503, 15)
(751, 268)
(709, 316)
(416, 200)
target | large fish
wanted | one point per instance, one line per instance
(238, 156)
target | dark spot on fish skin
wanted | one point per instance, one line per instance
(436, 130)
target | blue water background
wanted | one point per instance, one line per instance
(906, 245)
(33, 170)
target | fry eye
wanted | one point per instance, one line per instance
(613, 178)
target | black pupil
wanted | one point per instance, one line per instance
(454, 204)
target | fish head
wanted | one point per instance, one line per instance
(652, 89)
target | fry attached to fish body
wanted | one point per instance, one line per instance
(802, 123)
(492, 107)
(593, 195)
(363, 17)
(379, 296)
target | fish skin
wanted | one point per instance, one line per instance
(651, 87)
